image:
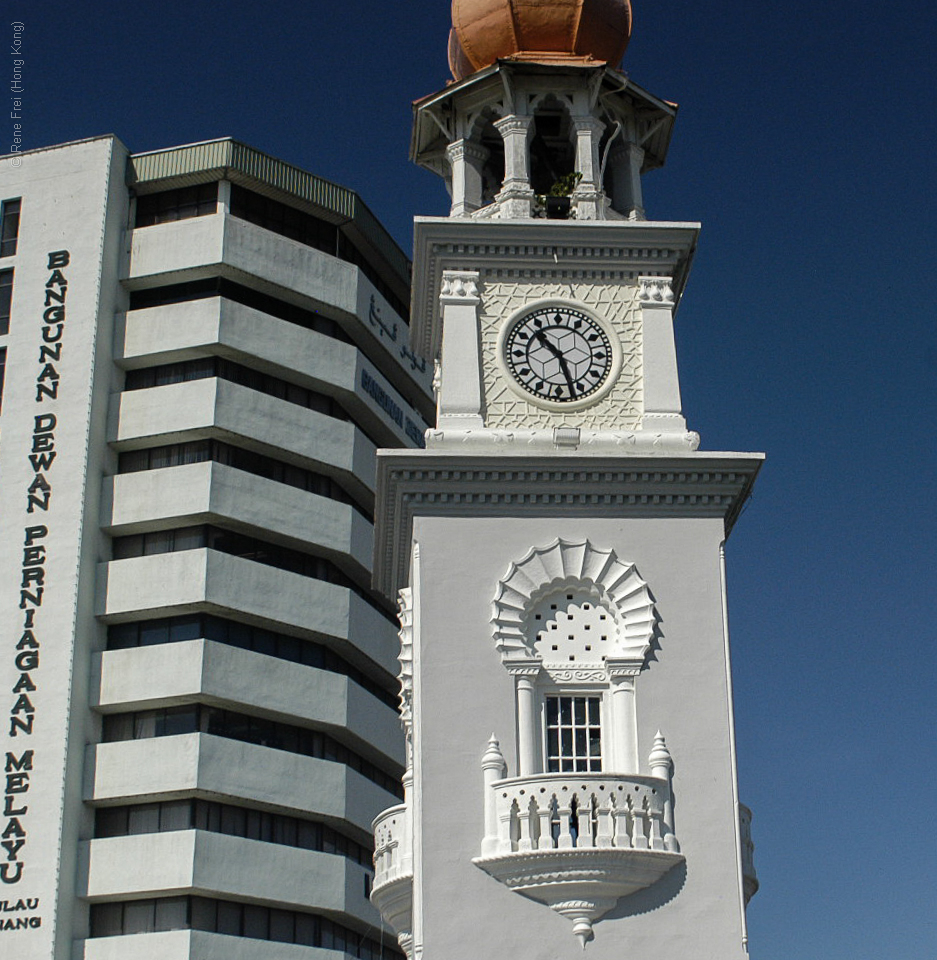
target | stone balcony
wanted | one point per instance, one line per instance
(577, 842)
(392, 892)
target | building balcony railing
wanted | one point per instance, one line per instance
(581, 811)
(577, 842)
(392, 892)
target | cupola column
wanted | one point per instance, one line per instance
(626, 160)
(588, 194)
(467, 161)
(516, 196)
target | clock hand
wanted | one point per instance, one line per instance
(569, 380)
(564, 366)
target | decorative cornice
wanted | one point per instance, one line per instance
(426, 483)
(558, 248)
(610, 442)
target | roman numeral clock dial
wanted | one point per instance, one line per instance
(559, 355)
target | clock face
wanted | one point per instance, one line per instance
(558, 354)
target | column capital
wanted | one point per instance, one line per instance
(656, 290)
(526, 667)
(460, 286)
(587, 125)
(620, 671)
(626, 148)
(466, 149)
(513, 123)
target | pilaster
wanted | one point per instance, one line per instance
(459, 403)
(662, 405)
(624, 720)
(525, 675)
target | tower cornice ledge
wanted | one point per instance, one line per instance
(430, 483)
(555, 248)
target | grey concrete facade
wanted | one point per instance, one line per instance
(200, 719)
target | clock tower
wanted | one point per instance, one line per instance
(558, 547)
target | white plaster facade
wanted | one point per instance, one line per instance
(558, 548)
(58, 650)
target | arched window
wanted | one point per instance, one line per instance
(574, 625)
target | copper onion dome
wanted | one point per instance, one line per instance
(485, 30)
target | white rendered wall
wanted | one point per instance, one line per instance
(74, 200)
(463, 694)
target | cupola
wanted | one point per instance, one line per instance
(484, 31)
(540, 121)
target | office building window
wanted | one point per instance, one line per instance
(200, 451)
(237, 920)
(179, 204)
(311, 231)
(3, 366)
(239, 545)
(235, 821)
(206, 367)
(6, 300)
(200, 718)
(9, 226)
(222, 287)
(282, 646)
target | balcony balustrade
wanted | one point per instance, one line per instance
(578, 842)
(392, 892)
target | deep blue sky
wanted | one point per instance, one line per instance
(806, 145)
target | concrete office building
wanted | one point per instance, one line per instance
(204, 347)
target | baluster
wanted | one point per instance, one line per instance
(622, 837)
(524, 842)
(657, 838)
(545, 812)
(604, 825)
(565, 839)
(506, 820)
(638, 828)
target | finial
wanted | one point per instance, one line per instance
(582, 931)
(493, 758)
(660, 758)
